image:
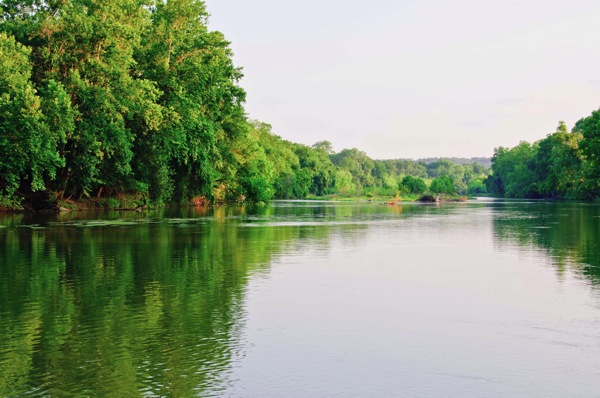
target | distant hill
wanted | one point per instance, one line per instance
(485, 162)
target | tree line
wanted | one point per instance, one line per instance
(564, 165)
(116, 97)
(138, 101)
(299, 171)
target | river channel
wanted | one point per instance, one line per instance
(486, 298)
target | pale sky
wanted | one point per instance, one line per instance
(412, 79)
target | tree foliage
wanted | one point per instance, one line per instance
(412, 184)
(125, 96)
(562, 166)
(442, 184)
(105, 99)
(29, 139)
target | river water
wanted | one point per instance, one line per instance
(304, 299)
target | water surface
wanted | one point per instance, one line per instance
(297, 299)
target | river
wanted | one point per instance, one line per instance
(303, 299)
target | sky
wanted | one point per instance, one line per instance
(415, 79)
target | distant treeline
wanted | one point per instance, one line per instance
(485, 162)
(564, 165)
(126, 103)
(299, 171)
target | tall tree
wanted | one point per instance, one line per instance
(193, 68)
(589, 127)
(27, 144)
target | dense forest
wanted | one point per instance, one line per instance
(127, 103)
(564, 165)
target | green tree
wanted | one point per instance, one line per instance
(324, 146)
(252, 171)
(27, 143)
(413, 185)
(559, 165)
(458, 173)
(589, 127)
(193, 69)
(358, 164)
(344, 183)
(137, 96)
(442, 184)
(318, 167)
(285, 162)
(514, 173)
(476, 187)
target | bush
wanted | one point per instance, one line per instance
(442, 184)
(412, 184)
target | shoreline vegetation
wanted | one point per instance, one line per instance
(63, 206)
(128, 204)
(127, 104)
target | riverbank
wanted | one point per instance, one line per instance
(137, 203)
(393, 200)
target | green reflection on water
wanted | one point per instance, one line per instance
(125, 303)
(568, 232)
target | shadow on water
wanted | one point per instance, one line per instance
(124, 303)
(568, 232)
